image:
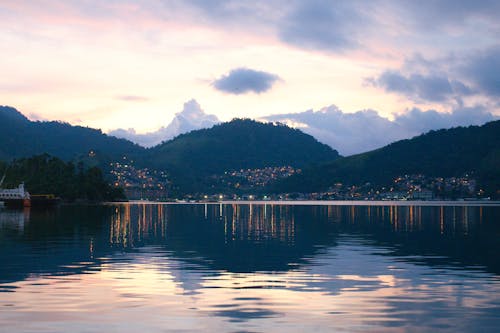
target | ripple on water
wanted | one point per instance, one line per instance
(242, 269)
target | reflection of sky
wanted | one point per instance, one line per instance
(354, 284)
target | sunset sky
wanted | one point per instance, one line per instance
(133, 64)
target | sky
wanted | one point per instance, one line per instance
(134, 64)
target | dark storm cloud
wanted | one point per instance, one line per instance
(243, 80)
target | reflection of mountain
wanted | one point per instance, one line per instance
(242, 238)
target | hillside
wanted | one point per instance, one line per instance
(239, 144)
(189, 159)
(20, 137)
(443, 153)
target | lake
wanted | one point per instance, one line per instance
(251, 268)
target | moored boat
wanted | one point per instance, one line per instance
(43, 200)
(15, 197)
(20, 198)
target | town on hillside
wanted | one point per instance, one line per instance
(253, 184)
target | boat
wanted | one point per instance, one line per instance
(15, 197)
(44, 200)
(20, 198)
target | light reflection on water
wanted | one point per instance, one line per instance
(255, 268)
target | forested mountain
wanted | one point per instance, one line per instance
(20, 137)
(442, 153)
(189, 159)
(238, 144)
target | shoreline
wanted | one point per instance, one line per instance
(435, 203)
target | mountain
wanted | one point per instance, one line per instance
(240, 144)
(20, 137)
(192, 117)
(442, 153)
(190, 159)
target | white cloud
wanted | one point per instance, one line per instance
(352, 133)
(192, 117)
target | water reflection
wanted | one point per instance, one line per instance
(239, 238)
(242, 237)
(250, 268)
(14, 219)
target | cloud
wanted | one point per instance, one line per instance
(418, 121)
(443, 79)
(349, 133)
(432, 15)
(421, 87)
(327, 25)
(342, 25)
(191, 117)
(36, 117)
(244, 80)
(132, 98)
(483, 68)
(352, 133)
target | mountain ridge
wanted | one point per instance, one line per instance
(189, 158)
(192, 158)
(441, 153)
(21, 137)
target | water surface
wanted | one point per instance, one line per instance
(250, 268)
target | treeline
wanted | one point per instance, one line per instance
(44, 174)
